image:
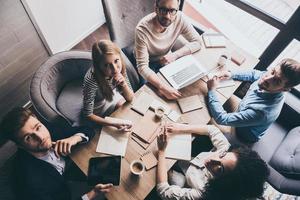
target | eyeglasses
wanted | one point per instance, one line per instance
(164, 11)
(219, 167)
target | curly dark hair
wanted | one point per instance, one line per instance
(246, 180)
(13, 121)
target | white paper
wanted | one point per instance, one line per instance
(226, 83)
(112, 141)
(179, 147)
(174, 116)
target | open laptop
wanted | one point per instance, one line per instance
(183, 72)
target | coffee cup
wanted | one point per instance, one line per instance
(222, 60)
(137, 167)
(159, 112)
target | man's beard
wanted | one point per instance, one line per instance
(164, 22)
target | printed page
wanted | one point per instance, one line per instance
(179, 147)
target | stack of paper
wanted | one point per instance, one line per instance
(179, 147)
(112, 141)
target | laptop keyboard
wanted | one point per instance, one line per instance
(185, 74)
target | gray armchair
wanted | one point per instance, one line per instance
(280, 148)
(56, 88)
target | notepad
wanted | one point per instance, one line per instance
(214, 40)
(149, 160)
(146, 127)
(179, 147)
(174, 116)
(237, 58)
(112, 141)
(190, 103)
(142, 103)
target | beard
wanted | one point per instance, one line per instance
(165, 22)
(40, 148)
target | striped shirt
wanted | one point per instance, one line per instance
(93, 99)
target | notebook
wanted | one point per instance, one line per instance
(146, 127)
(183, 72)
(214, 40)
(190, 103)
(116, 139)
(179, 147)
(142, 103)
(237, 58)
(149, 160)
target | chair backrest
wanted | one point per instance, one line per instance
(122, 16)
(54, 75)
(51, 77)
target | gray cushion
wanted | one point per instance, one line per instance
(70, 101)
(49, 80)
(122, 16)
(286, 159)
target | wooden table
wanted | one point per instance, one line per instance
(138, 188)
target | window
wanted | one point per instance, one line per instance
(268, 29)
(281, 10)
(245, 30)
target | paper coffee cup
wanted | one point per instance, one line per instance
(137, 167)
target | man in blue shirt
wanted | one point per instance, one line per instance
(263, 102)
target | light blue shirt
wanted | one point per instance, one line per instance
(256, 112)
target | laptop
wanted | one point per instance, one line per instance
(183, 72)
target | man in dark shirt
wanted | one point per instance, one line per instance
(41, 157)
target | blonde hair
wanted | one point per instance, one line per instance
(99, 51)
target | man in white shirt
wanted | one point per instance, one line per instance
(223, 173)
(155, 35)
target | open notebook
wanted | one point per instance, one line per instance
(179, 147)
(112, 141)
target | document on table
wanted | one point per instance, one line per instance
(112, 141)
(190, 103)
(179, 147)
(142, 103)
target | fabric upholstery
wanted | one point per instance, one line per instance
(286, 159)
(51, 77)
(56, 88)
(122, 17)
(70, 101)
(267, 147)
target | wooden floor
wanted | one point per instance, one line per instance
(21, 54)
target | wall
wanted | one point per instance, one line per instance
(21, 53)
(63, 23)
